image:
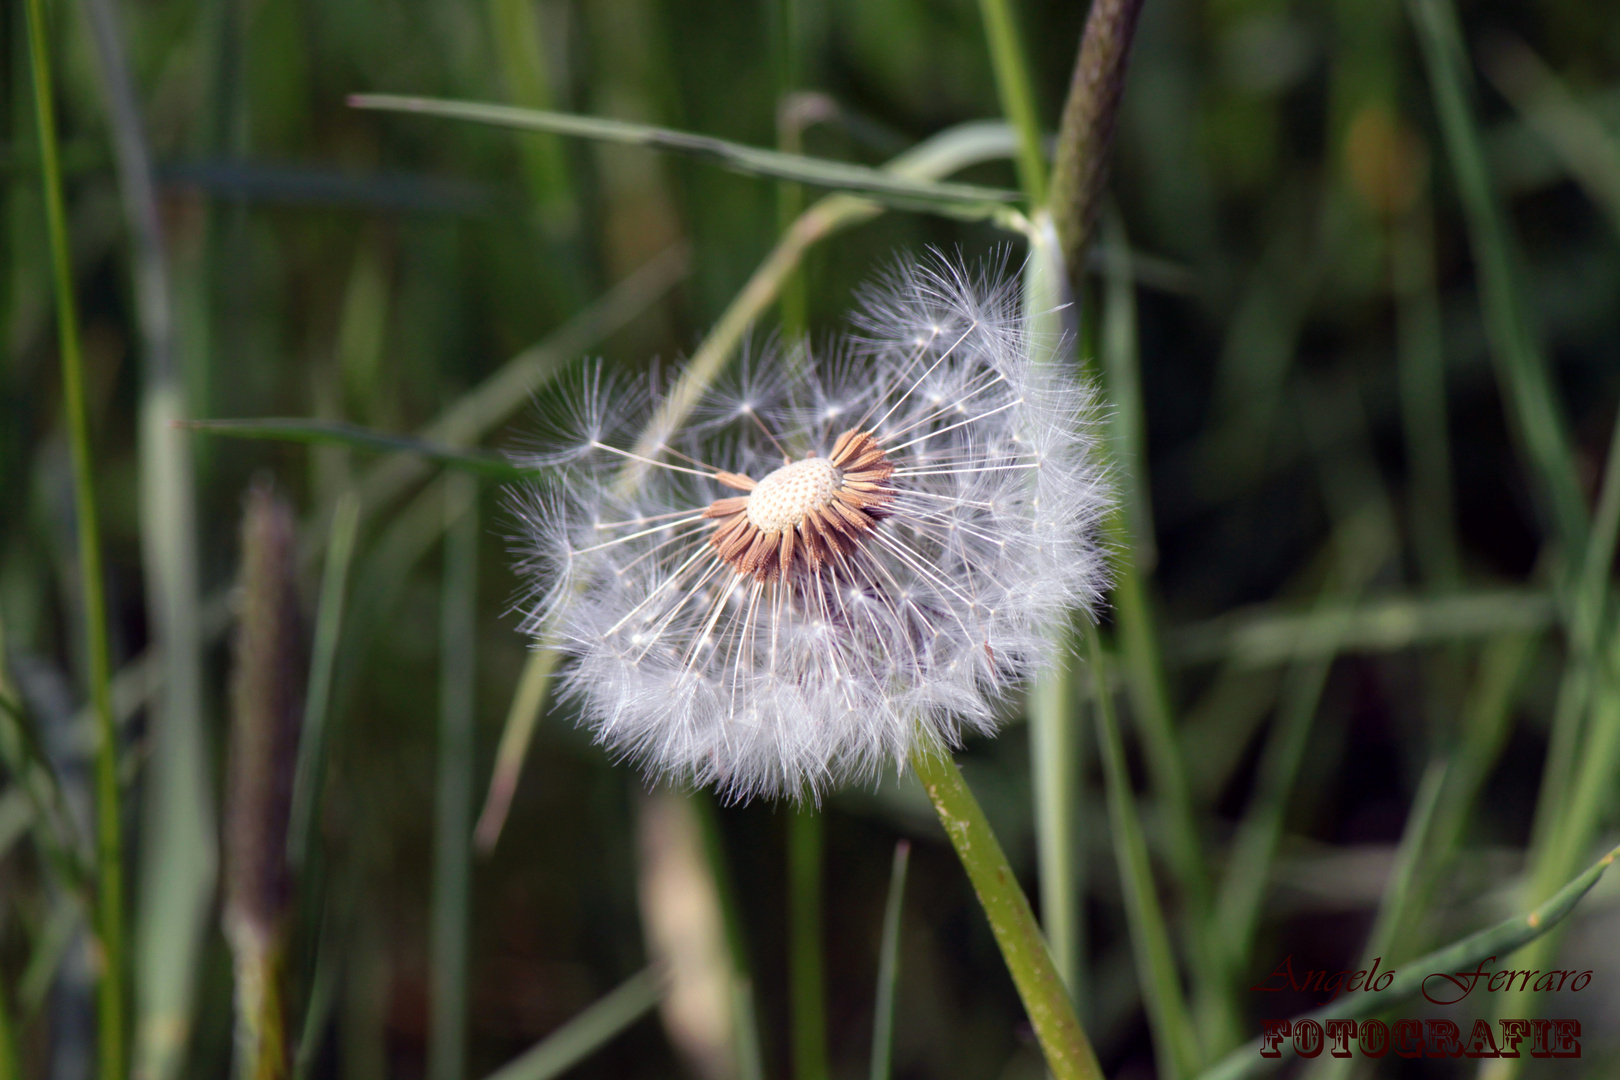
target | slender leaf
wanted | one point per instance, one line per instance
(1261, 637)
(889, 967)
(317, 703)
(1174, 1041)
(885, 186)
(338, 433)
(1526, 382)
(452, 863)
(112, 1016)
(588, 1032)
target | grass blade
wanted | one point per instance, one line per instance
(339, 433)
(889, 967)
(885, 186)
(318, 703)
(1011, 68)
(452, 863)
(1500, 941)
(586, 1033)
(1175, 1044)
(1262, 637)
(1587, 147)
(1526, 383)
(111, 1050)
(1068, 1052)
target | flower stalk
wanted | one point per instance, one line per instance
(1068, 1052)
(1086, 131)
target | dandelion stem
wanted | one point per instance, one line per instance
(109, 843)
(804, 927)
(1068, 1052)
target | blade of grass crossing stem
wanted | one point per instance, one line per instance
(1522, 369)
(1398, 891)
(950, 150)
(1053, 723)
(889, 966)
(110, 1030)
(961, 200)
(808, 997)
(1063, 1041)
(1013, 86)
(452, 862)
(1174, 1041)
(1500, 941)
(586, 1033)
(317, 705)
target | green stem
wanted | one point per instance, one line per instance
(1017, 98)
(889, 967)
(452, 862)
(1068, 1052)
(109, 842)
(804, 937)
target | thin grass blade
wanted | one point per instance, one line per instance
(968, 200)
(1525, 380)
(889, 966)
(323, 661)
(1262, 637)
(1175, 1043)
(112, 1053)
(588, 1032)
(452, 862)
(338, 433)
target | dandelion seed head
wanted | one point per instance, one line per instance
(837, 560)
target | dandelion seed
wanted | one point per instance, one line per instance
(827, 568)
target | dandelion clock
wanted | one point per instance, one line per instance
(838, 560)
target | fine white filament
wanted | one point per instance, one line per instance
(784, 684)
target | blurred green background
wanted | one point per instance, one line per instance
(1335, 511)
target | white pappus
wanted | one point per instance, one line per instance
(836, 561)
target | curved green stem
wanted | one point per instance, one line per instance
(1068, 1052)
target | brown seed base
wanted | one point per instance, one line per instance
(824, 533)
